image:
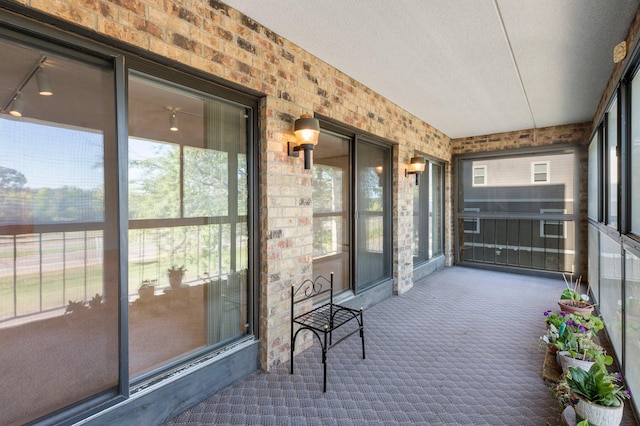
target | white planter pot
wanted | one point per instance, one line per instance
(598, 415)
(567, 361)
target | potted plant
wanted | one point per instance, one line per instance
(147, 289)
(578, 322)
(175, 276)
(578, 350)
(571, 300)
(581, 325)
(596, 395)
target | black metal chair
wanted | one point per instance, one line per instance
(323, 320)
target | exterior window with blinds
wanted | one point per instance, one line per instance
(479, 175)
(540, 172)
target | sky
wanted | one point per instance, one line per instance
(52, 156)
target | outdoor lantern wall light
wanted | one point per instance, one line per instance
(416, 167)
(307, 130)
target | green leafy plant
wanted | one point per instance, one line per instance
(572, 292)
(578, 322)
(147, 284)
(96, 302)
(176, 270)
(76, 306)
(581, 346)
(597, 385)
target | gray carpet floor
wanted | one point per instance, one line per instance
(460, 348)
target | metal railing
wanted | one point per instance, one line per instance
(42, 272)
(542, 242)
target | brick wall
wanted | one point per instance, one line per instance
(529, 138)
(213, 38)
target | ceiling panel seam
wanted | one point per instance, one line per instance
(515, 63)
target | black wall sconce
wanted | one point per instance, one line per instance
(307, 130)
(416, 167)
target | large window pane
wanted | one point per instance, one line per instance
(632, 323)
(435, 209)
(635, 156)
(188, 253)
(594, 262)
(594, 179)
(372, 248)
(612, 165)
(330, 209)
(421, 219)
(58, 272)
(427, 214)
(610, 302)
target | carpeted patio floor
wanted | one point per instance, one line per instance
(460, 348)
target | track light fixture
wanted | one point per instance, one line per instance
(17, 107)
(173, 122)
(44, 84)
(307, 130)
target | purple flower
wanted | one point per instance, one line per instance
(628, 392)
(582, 328)
(562, 314)
(619, 376)
(546, 314)
(570, 323)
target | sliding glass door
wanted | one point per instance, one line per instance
(331, 207)
(75, 328)
(58, 235)
(427, 214)
(372, 216)
(188, 234)
(354, 244)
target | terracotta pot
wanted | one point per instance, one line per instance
(572, 306)
(567, 361)
(598, 415)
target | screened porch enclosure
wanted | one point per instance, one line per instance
(518, 210)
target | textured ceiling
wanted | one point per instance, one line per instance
(467, 67)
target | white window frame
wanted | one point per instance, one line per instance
(533, 172)
(484, 175)
(544, 221)
(476, 221)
